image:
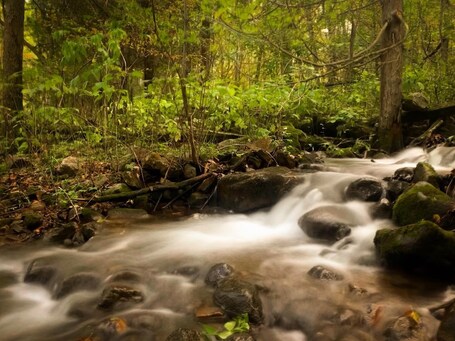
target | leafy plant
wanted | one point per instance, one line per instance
(239, 324)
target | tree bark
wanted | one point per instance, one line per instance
(13, 46)
(183, 79)
(390, 132)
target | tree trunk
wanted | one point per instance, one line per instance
(206, 56)
(183, 79)
(390, 132)
(13, 45)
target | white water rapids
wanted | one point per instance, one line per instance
(266, 248)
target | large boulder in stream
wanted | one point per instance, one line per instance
(422, 248)
(330, 223)
(425, 172)
(366, 189)
(238, 297)
(421, 201)
(218, 273)
(243, 192)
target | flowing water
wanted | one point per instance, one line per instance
(167, 261)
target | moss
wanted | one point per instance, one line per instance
(421, 201)
(422, 247)
(425, 172)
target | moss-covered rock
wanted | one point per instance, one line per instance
(422, 248)
(32, 220)
(421, 201)
(117, 188)
(425, 172)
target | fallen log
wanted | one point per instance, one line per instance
(427, 134)
(146, 190)
(421, 115)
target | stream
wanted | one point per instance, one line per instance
(167, 262)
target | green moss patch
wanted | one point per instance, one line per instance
(422, 248)
(421, 201)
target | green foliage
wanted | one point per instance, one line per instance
(239, 324)
(117, 79)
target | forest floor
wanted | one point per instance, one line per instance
(33, 199)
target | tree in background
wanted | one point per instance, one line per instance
(13, 45)
(390, 133)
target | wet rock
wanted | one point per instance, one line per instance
(422, 248)
(241, 337)
(238, 297)
(89, 230)
(365, 189)
(395, 188)
(69, 166)
(404, 174)
(39, 273)
(242, 192)
(405, 328)
(183, 334)
(381, 209)
(115, 295)
(217, 273)
(78, 282)
(330, 223)
(322, 273)
(421, 201)
(425, 172)
(32, 220)
(446, 331)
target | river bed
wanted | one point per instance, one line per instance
(167, 262)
